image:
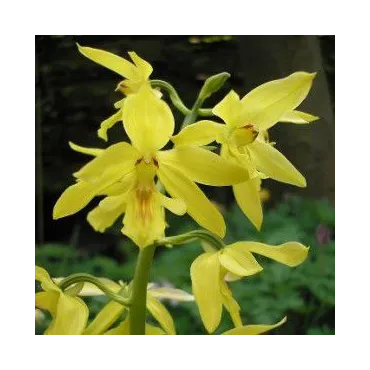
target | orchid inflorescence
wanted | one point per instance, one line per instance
(140, 180)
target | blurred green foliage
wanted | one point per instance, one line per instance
(306, 294)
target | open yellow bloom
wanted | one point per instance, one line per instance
(112, 311)
(209, 270)
(126, 174)
(243, 136)
(69, 312)
(136, 75)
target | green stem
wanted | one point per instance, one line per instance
(76, 278)
(176, 100)
(139, 288)
(192, 116)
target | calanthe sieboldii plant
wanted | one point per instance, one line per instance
(243, 136)
(142, 178)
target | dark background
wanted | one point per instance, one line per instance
(73, 96)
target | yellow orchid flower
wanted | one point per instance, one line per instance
(210, 270)
(243, 137)
(69, 312)
(136, 75)
(126, 174)
(253, 329)
(112, 311)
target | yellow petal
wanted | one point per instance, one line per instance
(254, 329)
(160, 313)
(198, 205)
(71, 317)
(108, 123)
(272, 163)
(171, 293)
(119, 104)
(148, 121)
(291, 253)
(117, 193)
(203, 166)
(266, 104)
(143, 67)
(176, 206)
(239, 263)
(111, 61)
(89, 151)
(231, 304)
(200, 133)
(205, 277)
(248, 199)
(47, 301)
(144, 220)
(120, 154)
(229, 110)
(44, 278)
(77, 196)
(300, 118)
(153, 330)
(122, 329)
(109, 314)
(101, 219)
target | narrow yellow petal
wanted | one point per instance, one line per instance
(111, 61)
(122, 329)
(47, 301)
(109, 314)
(272, 163)
(176, 206)
(203, 166)
(205, 277)
(108, 123)
(171, 293)
(291, 253)
(119, 104)
(148, 121)
(76, 197)
(119, 154)
(143, 67)
(44, 278)
(254, 329)
(200, 133)
(153, 330)
(300, 118)
(117, 193)
(266, 104)
(231, 304)
(229, 109)
(239, 263)
(101, 219)
(71, 317)
(248, 199)
(198, 205)
(161, 314)
(89, 151)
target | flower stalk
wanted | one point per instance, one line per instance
(78, 278)
(139, 290)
